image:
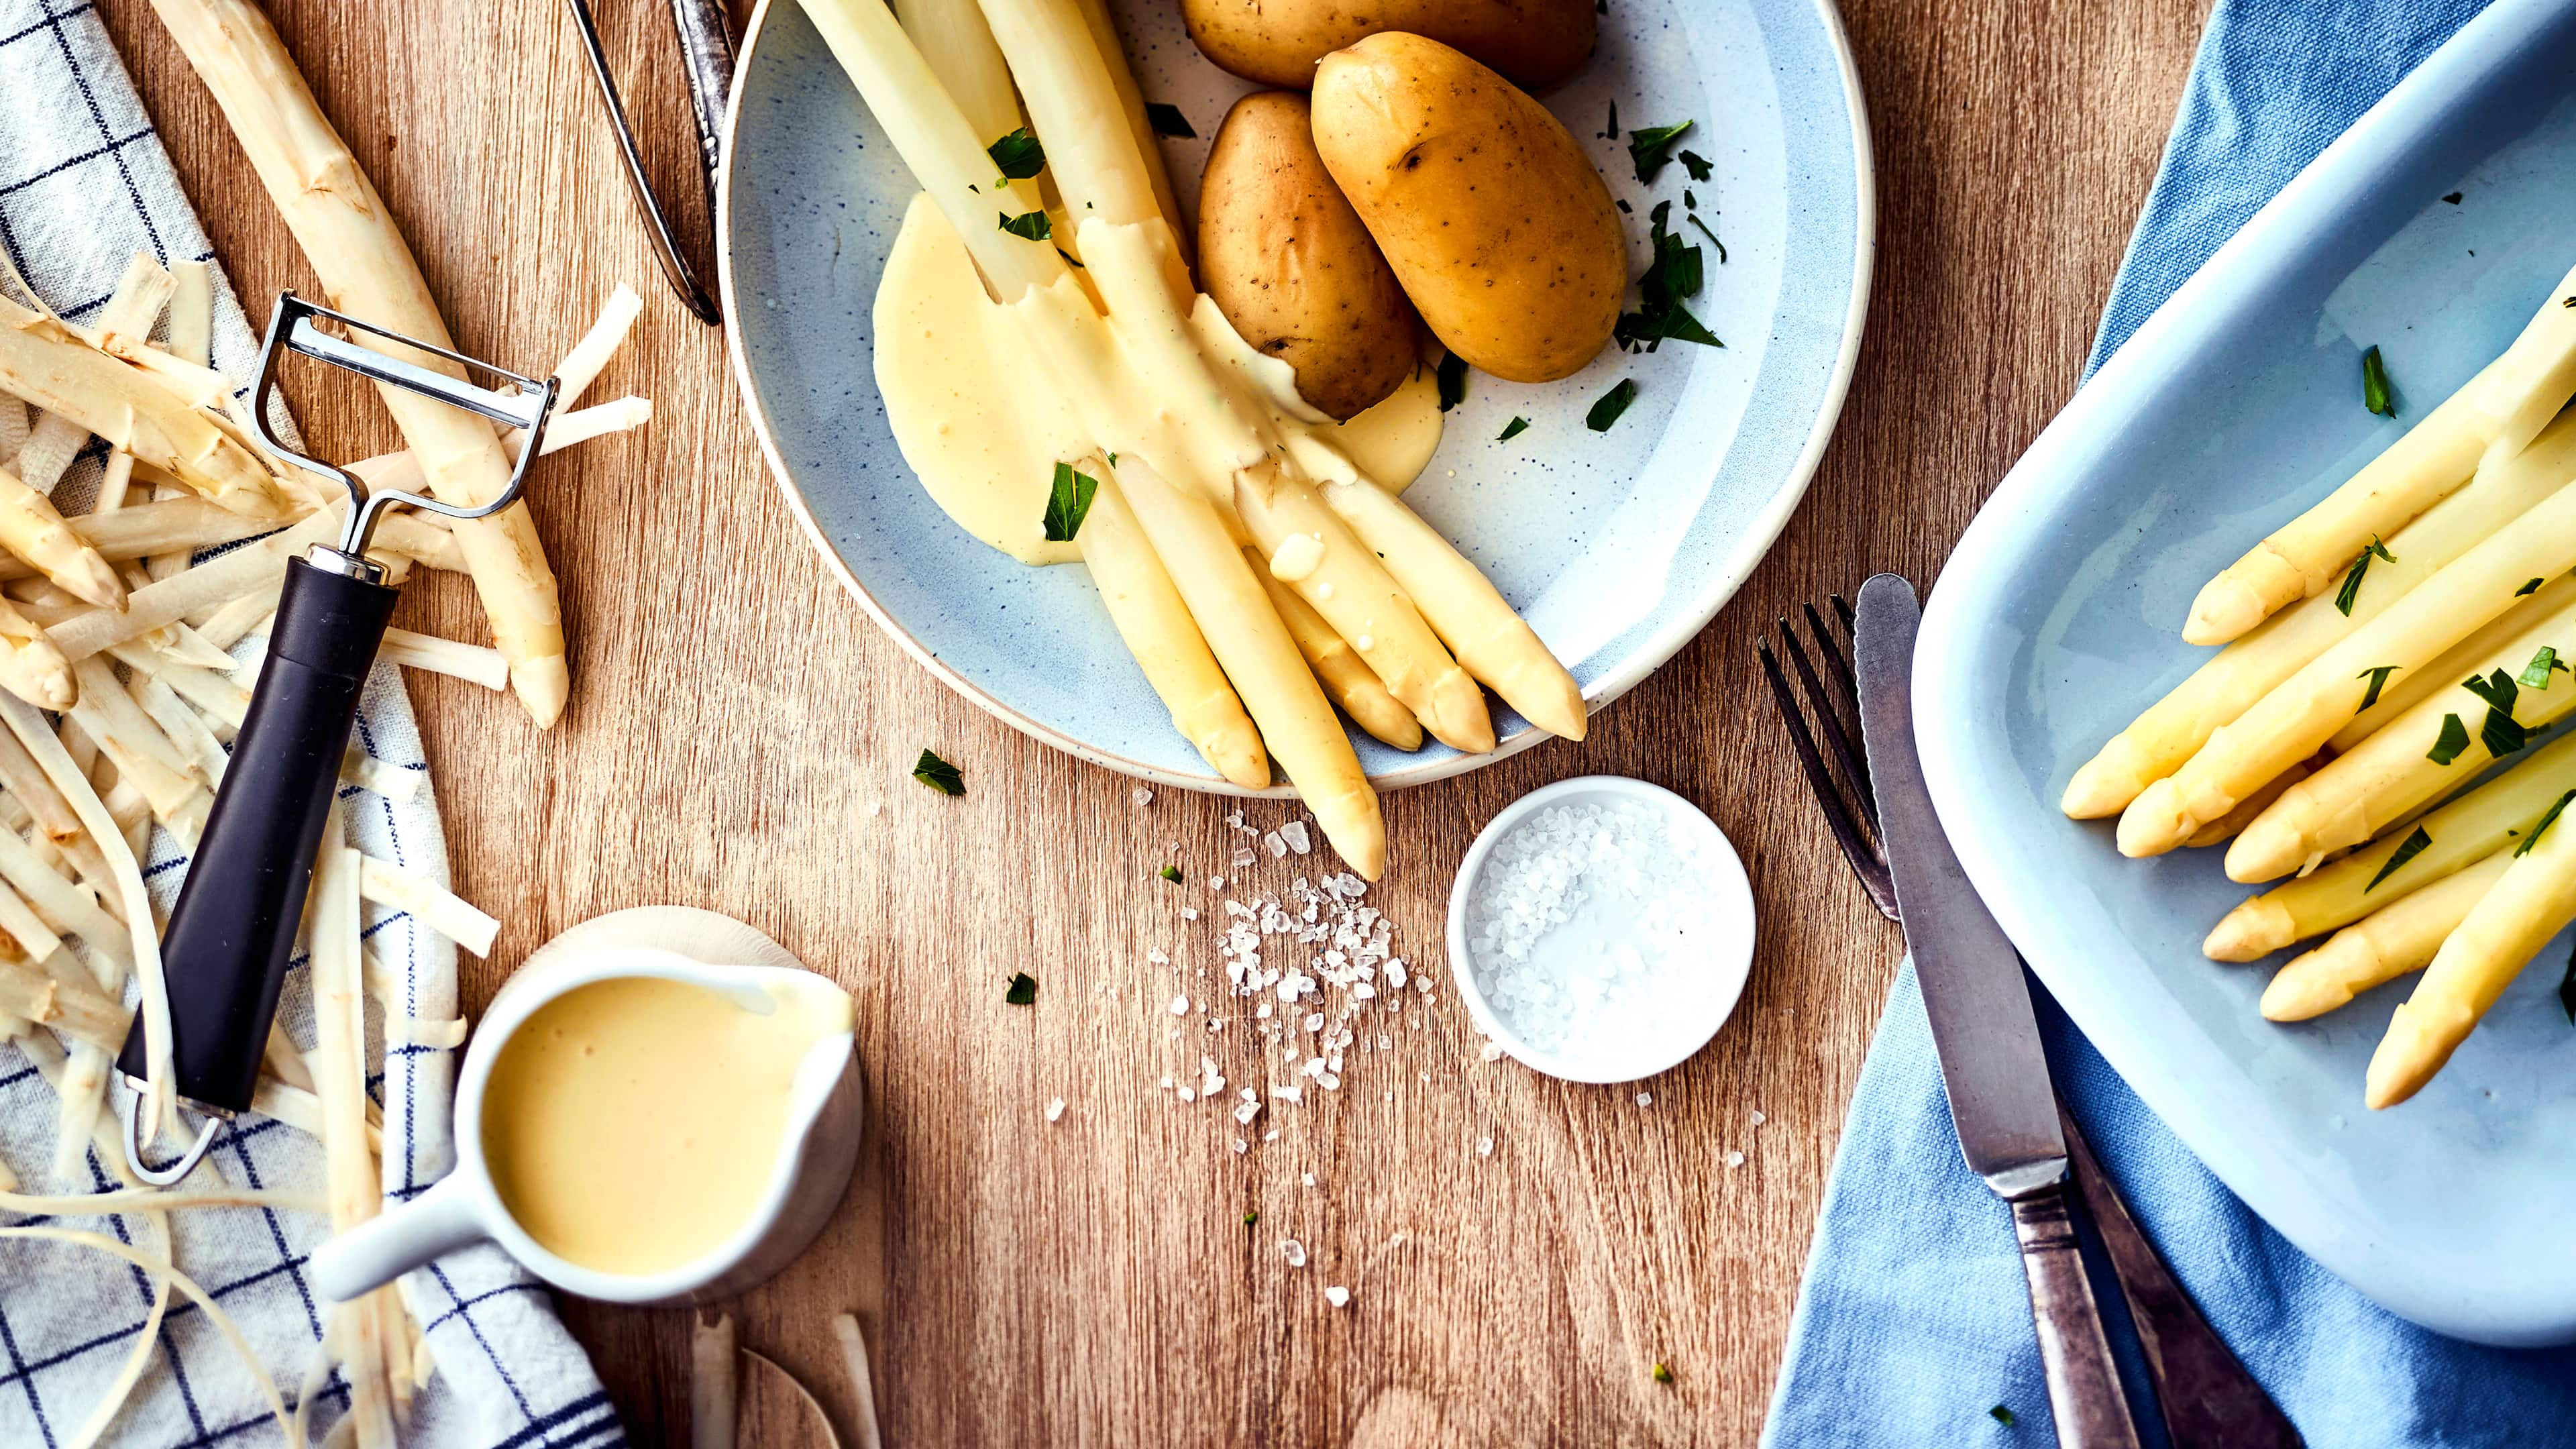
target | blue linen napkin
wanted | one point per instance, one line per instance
(1914, 1324)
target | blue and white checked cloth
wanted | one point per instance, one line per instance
(1914, 1320)
(84, 184)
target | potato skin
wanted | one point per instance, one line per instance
(1494, 220)
(1535, 43)
(1287, 261)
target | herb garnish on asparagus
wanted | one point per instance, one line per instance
(2413, 846)
(2374, 385)
(2350, 593)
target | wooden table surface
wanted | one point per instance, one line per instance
(737, 721)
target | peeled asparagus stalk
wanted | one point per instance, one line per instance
(2475, 654)
(2399, 937)
(2493, 417)
(2288, 724)
(171, 525)
(2532, 901)
(2392, 774)
(1494, 643)
(33, 530)
(367, 267)
(2228, 826)
(32, 667)
(2477, 824)
(1359, 692)
(1165, 640)
(2171, 730)
(45, 363)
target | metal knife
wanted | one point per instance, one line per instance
(2001, 1102)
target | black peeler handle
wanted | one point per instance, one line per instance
(234, 927)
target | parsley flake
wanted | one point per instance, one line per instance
(1453, 381)
(1712, 238)
(2497, 689)
(2535, 675)
(2567, 989)
(1513, 429)
(1068, 503)
(1607, 408)
(1673, 275)
(1697, 165)
(2374, 385)
(1651, 147)
(1032, 225)
(2453, 198)
(1250, 1218)
(2001, 1415)
(1023, 990)
(1663, 1373)
(1167, 120)
(1170, 873)
(938, 774)
(2411, 847)
(2454, 739)
(2377, 674)
(1018, 156)
(2541, 829)
(1612, 134)
(2530, 588)
(2350, 593)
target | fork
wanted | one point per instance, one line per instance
(2207, 1398)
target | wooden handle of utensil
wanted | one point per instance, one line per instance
(2084, 1391)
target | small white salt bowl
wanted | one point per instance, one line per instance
(1697, 996)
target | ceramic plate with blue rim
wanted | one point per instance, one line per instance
(1617, 547)
(2058, 619)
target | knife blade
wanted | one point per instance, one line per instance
(1982, 1027)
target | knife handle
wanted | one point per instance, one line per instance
(2084, 1391)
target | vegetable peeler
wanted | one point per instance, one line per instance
(230, 935)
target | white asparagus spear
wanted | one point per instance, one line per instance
(2288, 724)
(1359, 692)
(2399, 937)
(2457, 663)
(128, 316)
(2158, 741)
(2342, 891)
(2533, 900)
(349, 237)
(2493, 417)
(214, 582)
(2421, 755)
(1165, 640)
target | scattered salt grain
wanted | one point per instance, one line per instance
(1189, 913)
(1293, 1251)
(1484, 1147)
(1277, 847)
(1309, 1179)
(1141, 795)
(1186, 1095)
(1758, 1118)
(1735, 1159)
(876, 807)
(1181, 1005)
(1288, 1094)
(1055, 1109)
(1294, 832)
(1241, 1147)
(1338, 1296)
(1645, 1099)
(1215, 883)
(1493, 1052)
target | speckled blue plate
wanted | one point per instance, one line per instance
(1616, 547)
(2057, 620)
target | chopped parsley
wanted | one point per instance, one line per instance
(1023, 990)
(1068, 503)
(1690, 201)
(1453, 381)
(2497, 689)
(1607, 408)
(2567, 989)
(2350, 593)
(1612, 134)
(2001, 1415)
(1167, 120)
(2377, 674)
(1513, 429)
(2411, 847)
(2535, 675)
(2453, 198)
(938, 774)
(1251, 1217)
(1651, 147)
(1170, 873)
(2374, 385)
(2530, 588)
(1663, 1373)
(1018, 156)
(1712, 238)
(1030, 224)
(1071, 260)
(2546, 820)
(1674, 274)
(2500, 733)
(2455, 738)
(1697, 165)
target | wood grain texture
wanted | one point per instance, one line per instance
(736, 721)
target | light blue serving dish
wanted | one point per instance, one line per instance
(2058, 619)
(1617, 547)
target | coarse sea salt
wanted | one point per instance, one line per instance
(1586, 927)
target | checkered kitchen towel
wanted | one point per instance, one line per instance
(84, 184)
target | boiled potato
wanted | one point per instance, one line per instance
(1536, 43)
(1489, 212)
(1290, 265)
